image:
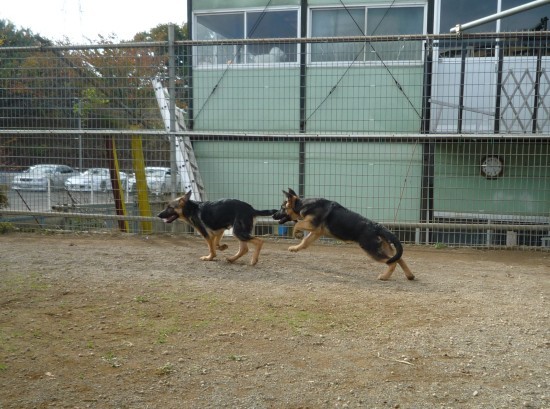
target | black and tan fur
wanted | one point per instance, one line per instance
(325, 217)
(211, 219)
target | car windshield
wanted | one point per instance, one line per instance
(155, 172)
(95, 172)
(41, 169)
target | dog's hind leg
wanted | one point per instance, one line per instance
(386, 248)
(381, 251)
(406, 269)
(389, 270)
(258, 243)
(243, 249)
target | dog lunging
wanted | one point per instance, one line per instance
(325, 217)
(211, 219)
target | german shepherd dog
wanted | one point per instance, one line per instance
(211, 219)
(325, 217)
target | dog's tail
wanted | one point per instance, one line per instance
(392, 238)
(265, 212)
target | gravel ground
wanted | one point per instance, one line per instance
(123, 321)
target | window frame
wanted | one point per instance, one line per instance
(366, 6)
(243, 12)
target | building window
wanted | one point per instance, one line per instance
(461, 12)
(246, 25)
(371, 21)
(530, 20)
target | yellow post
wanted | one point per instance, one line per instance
(118, 194)
(141, 183)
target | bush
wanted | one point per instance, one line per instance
(6, 227)
(3, 196)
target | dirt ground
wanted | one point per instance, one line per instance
(124, 321)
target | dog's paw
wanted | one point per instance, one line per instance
(294, 249)
(382, 277)
(207, 258)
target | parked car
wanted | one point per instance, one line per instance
(159, 180)
(96, 179)
(37, 177)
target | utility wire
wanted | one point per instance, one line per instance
(249, 34)
(401, 193)
(396, 82)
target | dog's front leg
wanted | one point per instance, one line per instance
(211, 241)
(306, 242)
(217, 244)
(305, 225)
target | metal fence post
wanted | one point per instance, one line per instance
(172, 108)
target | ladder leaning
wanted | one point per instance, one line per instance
(185, 155)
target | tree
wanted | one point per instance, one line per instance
(40, 87)
(160, 33)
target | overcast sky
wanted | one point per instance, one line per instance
(83, 20)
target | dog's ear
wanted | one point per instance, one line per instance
(186, 196)
(286, 193)
(292, 192)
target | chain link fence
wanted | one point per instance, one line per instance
(443, 138)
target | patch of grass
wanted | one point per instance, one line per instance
(18, 284)
(440, 246)
(37, 334)
(201, 324)
(162, 338)
(166, 369)
(165, 333)
(111, 359)
(302, 321)
(299, 319)
(3, 367)
(237, 358)
(141, 299)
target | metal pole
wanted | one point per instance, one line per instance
(514, 10)
(172, 109)
(539, 47)
(79, 135)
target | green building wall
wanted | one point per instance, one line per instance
(521, 191)
(378, 180)
(247, 100)
(365, 100)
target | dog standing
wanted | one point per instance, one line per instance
(211, 219)
(325, 217)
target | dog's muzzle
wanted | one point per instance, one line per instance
(167, 218)
(282, 217)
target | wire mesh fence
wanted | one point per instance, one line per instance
(445, 139)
